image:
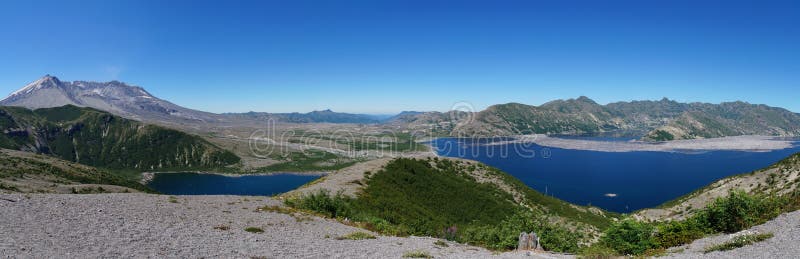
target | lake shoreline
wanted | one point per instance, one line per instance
(621, 178)
(147, 177)
(748, 143)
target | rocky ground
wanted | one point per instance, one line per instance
(145, 225)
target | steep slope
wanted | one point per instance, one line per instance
(431, 195)
(31, 173)
(97, 138)
(114, 97)
(729, 119)
(573, 116)
(779, 179)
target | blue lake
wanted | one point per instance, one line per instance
(214, 184)
(638, 179)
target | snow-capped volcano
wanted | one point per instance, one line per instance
(114, 96)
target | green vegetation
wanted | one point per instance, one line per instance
(739, 241)
(254, 230)
(739, 211)
(630, 237)
(441, 243)
(307, 161)
(417, 254)
(733, 213)
(394, 142)
(356, 236)
(440, 198)
(87, 190)
(20, 165)
(97, 138)
(661, 135)
(599, 219)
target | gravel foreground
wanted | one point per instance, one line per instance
(145, 225)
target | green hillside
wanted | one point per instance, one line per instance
(462, 201)
(97, 138)
(28, 172)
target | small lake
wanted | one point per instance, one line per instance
(215, 184)
(615, 181)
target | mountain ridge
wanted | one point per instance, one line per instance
(97, 138)
(653, 120)
(114, 96)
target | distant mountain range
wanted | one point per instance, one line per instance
(325, 116)
(658, 120)
(652, 120)
(136, 103)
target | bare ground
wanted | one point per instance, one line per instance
(145, 225)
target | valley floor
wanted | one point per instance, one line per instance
(146, 225)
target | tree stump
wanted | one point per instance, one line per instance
(523, 243)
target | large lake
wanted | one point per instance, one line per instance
(215, 184)
(615, 181)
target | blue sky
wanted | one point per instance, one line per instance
(390, 56)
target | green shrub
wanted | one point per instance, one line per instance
(675, 233)
(356, 236)
(417, 254)
(739, 241)
(322, 202)
(739, 210)
(630, 237)
(254, 230)
(729, 214)
(505, 235)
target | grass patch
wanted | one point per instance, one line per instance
(441, 243)
(417, 254)
(277, 209)
(356, 236)
(172, 199)
(739, 241)
(254, 230)
(307, 161)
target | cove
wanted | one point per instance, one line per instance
(615, 181)
(216, 184)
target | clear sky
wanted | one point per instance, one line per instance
(389, 56)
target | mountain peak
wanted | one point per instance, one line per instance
(44, 82)
(585, 99)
